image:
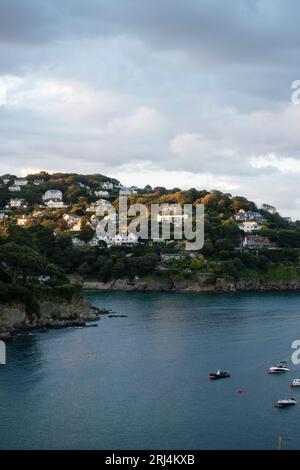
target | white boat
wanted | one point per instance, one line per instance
(279, 369)
(296, 383)
(286, 403)
(218, 375)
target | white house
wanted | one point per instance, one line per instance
(22, 221)
(172, 219)
(6, 180)
(73, 222)
(165, 257)
(133, 189)
(107, 185)
(76, 227)
(37, 214)
(127, 191)
(14, 189)
(77, 242)
(104, 203)
(120, 239)
(16, 204)
(2, 216)
(20, 182)
(101, 204)
(243, 216)
(55, 204)
(102, 193)
(131, 239)
(249, 226)
(94, 241)
(44, 278)
(71, 219)
(257, 242)
(53, 194)
(85, 186)
(38, 182)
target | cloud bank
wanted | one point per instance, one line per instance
(173, 93)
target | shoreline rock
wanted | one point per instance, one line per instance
(53, 315)
(219, 285)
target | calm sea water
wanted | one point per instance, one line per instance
(141, 382)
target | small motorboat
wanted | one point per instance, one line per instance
(279, 369)
(218, 375)
(286, 403)
(295, 383)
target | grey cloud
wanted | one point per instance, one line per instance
(27, 22)
(221, 69)
(231, 30)
(251, 47)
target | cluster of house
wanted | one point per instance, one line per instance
(249, 221)
(177, 256)
(107, 188)
(243, 216)
(53, 198)
(115, 240)
(16, 186)
(19, 183)
(99, 206)
(17, 203)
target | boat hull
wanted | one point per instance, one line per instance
(278, 371)
(285, 403)
(295, 384)
(218, 376)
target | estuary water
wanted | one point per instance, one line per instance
(141, 381)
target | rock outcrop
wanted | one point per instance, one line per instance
(53, 314)
(207, 285)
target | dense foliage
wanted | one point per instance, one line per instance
(44, 247)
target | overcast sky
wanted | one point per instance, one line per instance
(193, 93)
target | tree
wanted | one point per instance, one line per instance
(44, 239)
(19, 235)
(84, 268)
(73, 193)
(86, 233)
(102, 245)
(55, 272)
(20, 260)
(239, 202)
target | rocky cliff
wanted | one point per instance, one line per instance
(53, 314)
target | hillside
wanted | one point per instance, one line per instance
(48, 235)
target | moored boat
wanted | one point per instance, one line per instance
(279, 369)
(286, 403)
(295, 383)
(218, 375)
